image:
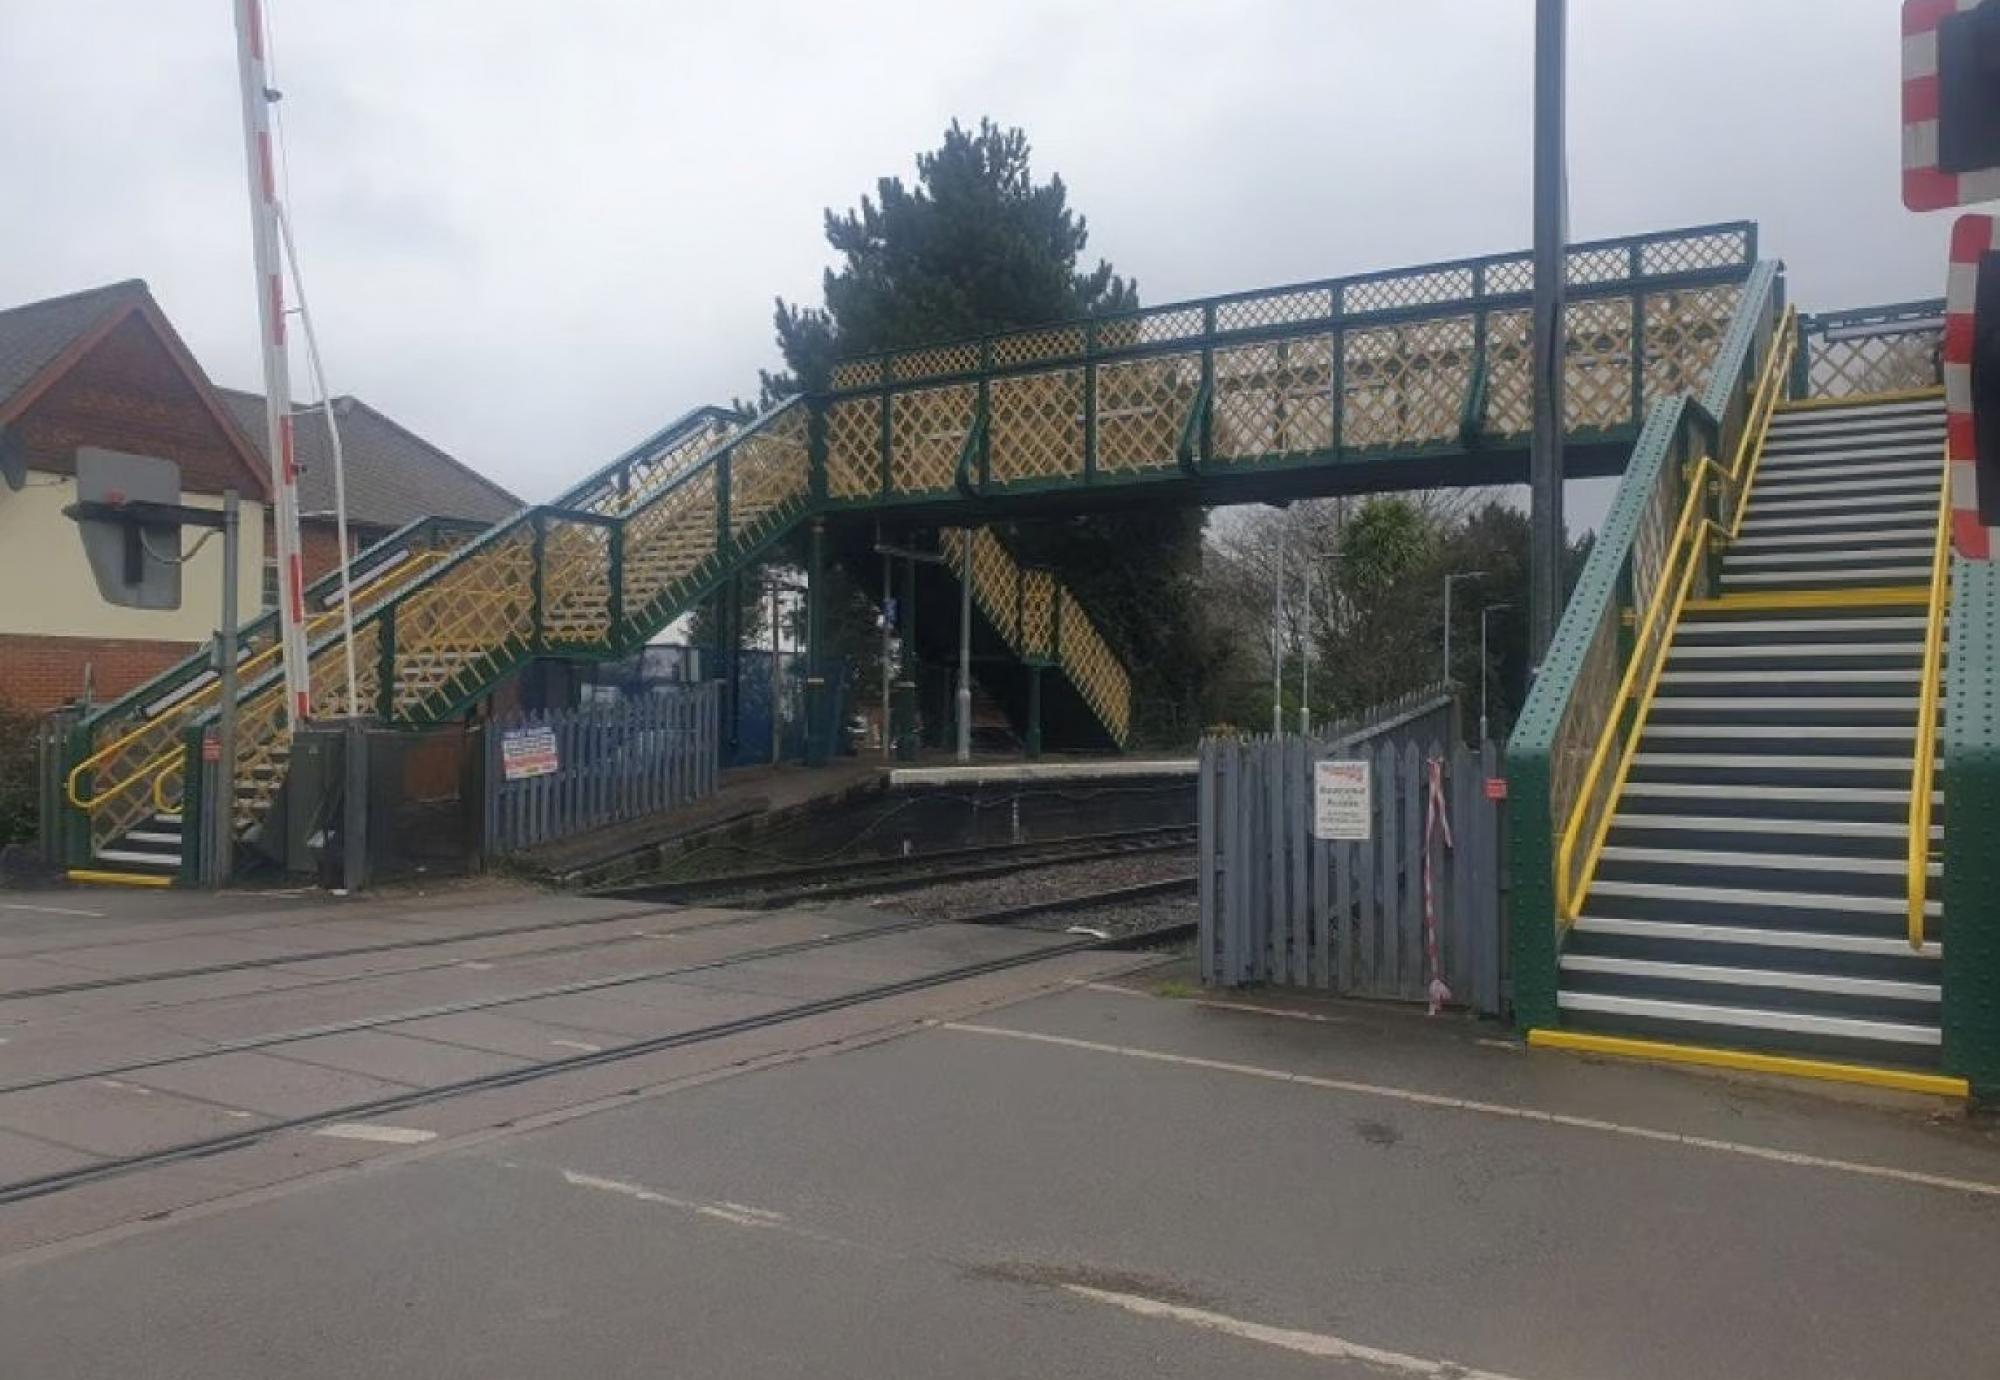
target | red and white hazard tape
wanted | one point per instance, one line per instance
(1972, 238)
(1436, 822)
(1926, 187)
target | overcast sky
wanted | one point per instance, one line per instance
(535, 232)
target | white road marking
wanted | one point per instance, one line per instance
(583, 1045)
(736, 1214)
(1511, 1046)
(477, 966)
(1316, 1344)
(53, 910)
(383, 1135)
(1793, 1158)
(1214, 1004)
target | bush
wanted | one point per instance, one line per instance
(18, 794)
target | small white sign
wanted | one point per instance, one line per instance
(526, 752)
(1343, 800)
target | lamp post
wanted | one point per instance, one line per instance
(1484, 614)
(1448, 581)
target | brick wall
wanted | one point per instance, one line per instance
(39, 673)
(319, 549)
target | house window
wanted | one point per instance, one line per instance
(270, 582)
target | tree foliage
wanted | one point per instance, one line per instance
(978, 245)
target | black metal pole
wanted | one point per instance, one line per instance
(1551, 231)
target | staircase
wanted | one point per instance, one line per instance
(1752, 887)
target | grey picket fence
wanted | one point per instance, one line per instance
(613, 762)
(1279, 906)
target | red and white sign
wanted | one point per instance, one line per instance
(1926, 185)
(1496, 788)
(1972, 239)
(527, 752)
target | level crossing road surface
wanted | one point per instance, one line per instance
(1073, 1167)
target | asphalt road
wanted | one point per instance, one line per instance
(1094, 1183)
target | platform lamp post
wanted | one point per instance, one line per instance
(1448, 580)
(1551, 214)
(1484, 614)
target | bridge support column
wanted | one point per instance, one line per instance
(1034, 710)
(903, 708)
(821, 731)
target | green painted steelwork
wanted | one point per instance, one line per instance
(1972, 830)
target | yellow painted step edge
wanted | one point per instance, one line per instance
(86, 874)
(1879, 596)
(1827, 1070)
(1862, 399)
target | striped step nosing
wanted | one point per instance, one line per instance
(1739, 559)
(1726, 651)
(1878, 733)
(1782, 470)
(1893, 906)
(1775, 862)
(1790, 795)
(1776, 762)
(1912, 510)
(1776, 824)
(1801, 411)
(135, 857)
(153, 836)
(1853, 575)
(1693, 932)
(1817, 505)
(1872, 676)
(1667, 970)
(1914, 446)
(1913, 532)
(1790, 487)
(1751, 1018)
(1756, 704)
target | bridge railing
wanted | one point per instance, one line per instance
(1577, 690)
(1418, 360)
(1895, 348)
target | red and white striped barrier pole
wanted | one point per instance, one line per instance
(1436, 821)
(250, 68)
(1972, 239)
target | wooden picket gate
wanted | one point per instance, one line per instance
(1279, 906)
(611, 763)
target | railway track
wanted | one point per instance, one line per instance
(1073, 904)
(884, 876)
(758, 891)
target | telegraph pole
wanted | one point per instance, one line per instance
(1551, 232)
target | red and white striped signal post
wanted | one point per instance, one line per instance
(1951, 103)
(257, 96)
(1969, 373)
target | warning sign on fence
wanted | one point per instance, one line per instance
(526, 752)
(1342, 800)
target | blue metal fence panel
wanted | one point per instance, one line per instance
(610, 762)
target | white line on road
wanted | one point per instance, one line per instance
(1793, 1158)
(53, 910)
(1213, 1004)
(583, 1045)
(734, 1213)
(384, 1135)
(1317, 1344)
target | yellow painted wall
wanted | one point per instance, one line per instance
(46, 587)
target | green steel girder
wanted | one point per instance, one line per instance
(1972, 830)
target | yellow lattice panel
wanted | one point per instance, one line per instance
(1724, 248)
(854, 448)
(669, 539)
(1283, 308)
(1684, 331)
(1420, 288)
(1887, 363)
(931, 363)
(1274, 399)
(1036, 427)
(652, 471)
(1597, 371)
(1510, 379)
(576, 583)
(1141, 406)
(858, 373)
(1091, 667)
(927, 430)
(481, 606)
(770, 476)
(1406, 385)
(1032, 347)
(1038, 615)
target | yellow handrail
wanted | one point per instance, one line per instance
(246, 671)
(1689, 534)
(1930, 688)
